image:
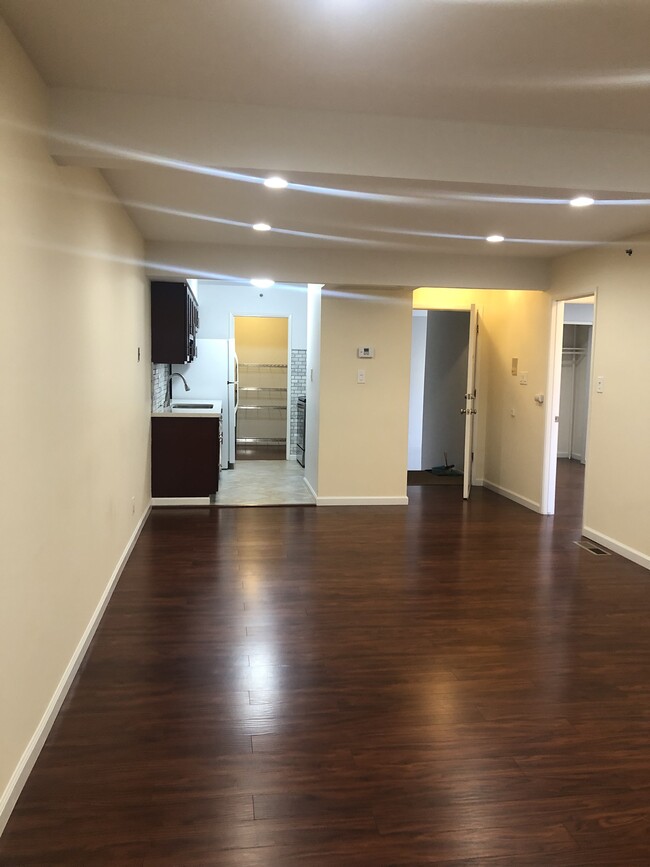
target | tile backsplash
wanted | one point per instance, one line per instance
(298, 388)
(160, 374)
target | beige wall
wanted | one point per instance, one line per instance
(617, 475)
(74, 437)
(363, 428)
(518, 326)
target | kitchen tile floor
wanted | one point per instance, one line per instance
(263, 483)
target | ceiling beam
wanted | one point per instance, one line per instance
(102, 128)
(354, 267)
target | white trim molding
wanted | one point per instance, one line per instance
(511, 495)
(362, 501)
(632, 554)
(355, 501)
(28, 759)
(180, 501)
(310, 489)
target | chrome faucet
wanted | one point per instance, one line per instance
(168, 398)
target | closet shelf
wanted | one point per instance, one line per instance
(261, 441)
(262, 364)
(263, 406)
(262, 388)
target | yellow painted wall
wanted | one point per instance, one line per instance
(363, 428)
(617, 474)
(262, 338)
(74, 437)
(517, 325)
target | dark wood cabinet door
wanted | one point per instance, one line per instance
(184, 456)
(174, 319)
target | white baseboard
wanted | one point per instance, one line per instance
(28, 759)
(180, 501)
(617, 547)
(511, 495)
(310, 489)
(355, 501)
(362, 501)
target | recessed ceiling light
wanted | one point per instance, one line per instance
(261, 227)
(495, 239)
(262, 282)
(276, 183)
(581, 202)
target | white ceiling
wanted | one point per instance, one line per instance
(572, 65)
(568, 63)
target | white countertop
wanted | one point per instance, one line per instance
(189, 408)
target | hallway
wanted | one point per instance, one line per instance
(451, 683)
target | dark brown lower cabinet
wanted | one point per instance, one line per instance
(184, 456)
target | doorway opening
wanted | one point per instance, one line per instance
(265, 470)
(567, 422)
(442, 398)
(262, 350)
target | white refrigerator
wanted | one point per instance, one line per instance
(213, 375)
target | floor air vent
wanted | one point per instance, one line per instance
(593, 548)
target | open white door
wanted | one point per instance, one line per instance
(469, 410)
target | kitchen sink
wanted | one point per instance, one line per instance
(192, 406)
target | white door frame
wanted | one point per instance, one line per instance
(286, 316)
(470, 402)
(473, 310)
(554, 379)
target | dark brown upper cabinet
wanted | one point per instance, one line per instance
(174, 322)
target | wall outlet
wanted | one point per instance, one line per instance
(523, 379)
(361, 376)
(600, 385)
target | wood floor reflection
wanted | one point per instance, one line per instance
(447, 683)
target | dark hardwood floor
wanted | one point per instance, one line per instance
(452, 683)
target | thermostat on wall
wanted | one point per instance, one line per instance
(366, 352)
